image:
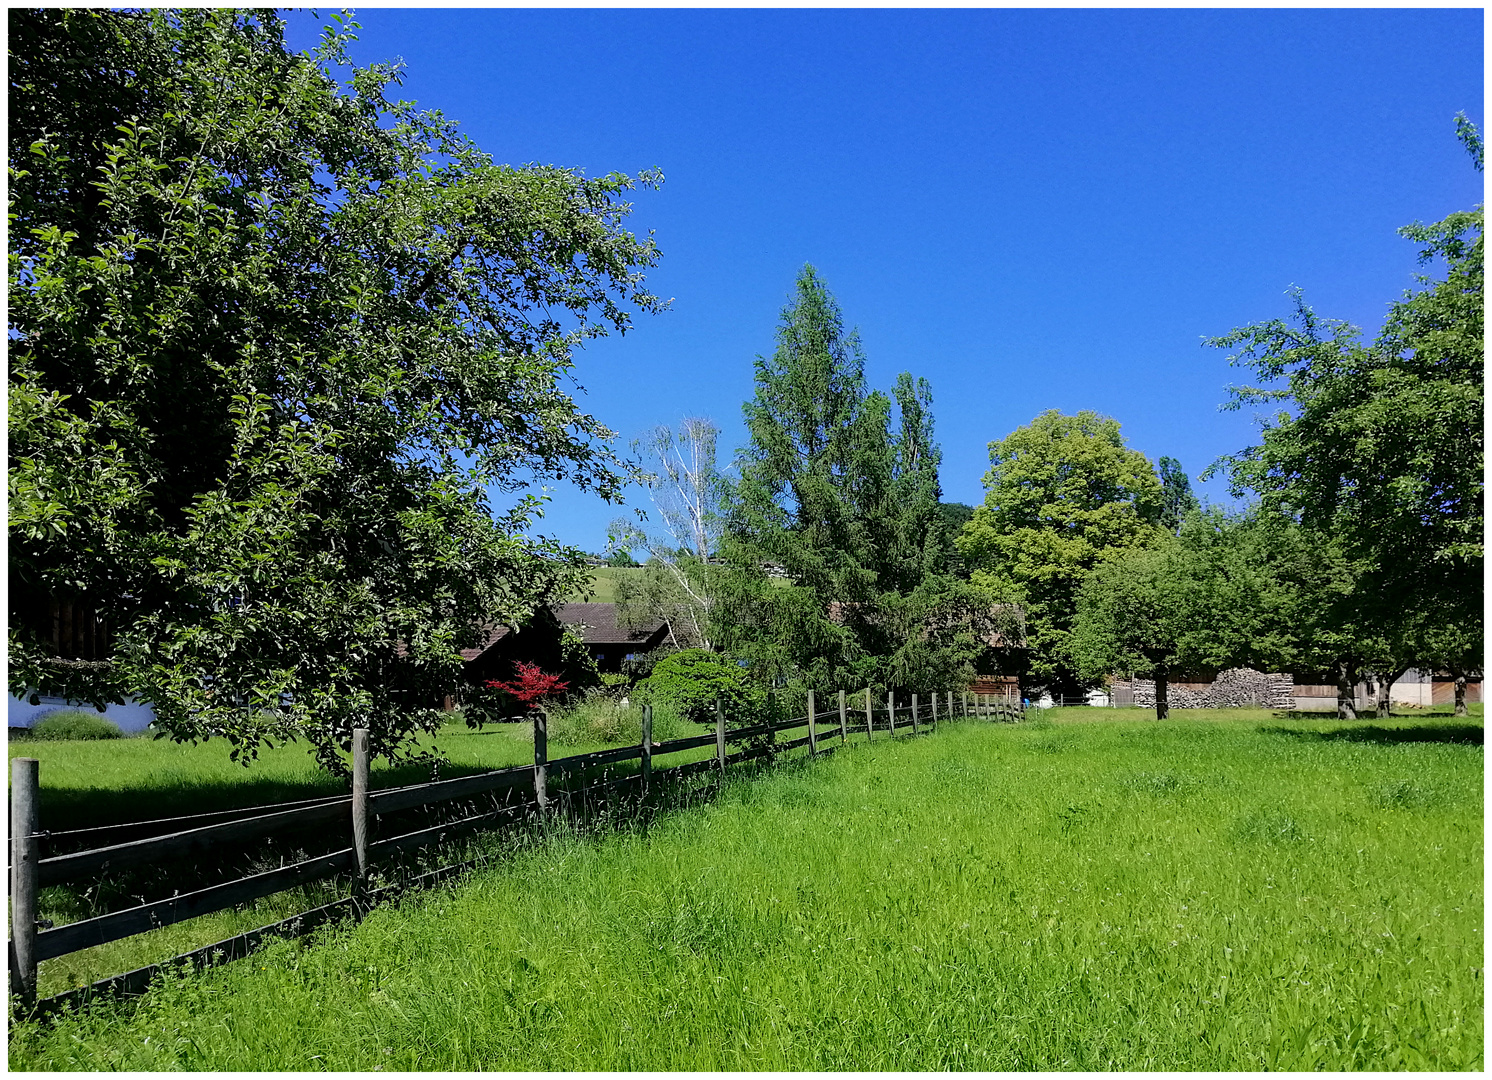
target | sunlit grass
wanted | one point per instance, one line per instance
(1291, 894)
(90, 783)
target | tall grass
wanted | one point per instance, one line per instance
(599, 717)
(1127, 895)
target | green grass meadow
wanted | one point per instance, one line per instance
(1233, 892)
(88, 783)
(602, 586)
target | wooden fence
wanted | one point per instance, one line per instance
(139, 844)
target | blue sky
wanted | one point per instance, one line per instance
(1034, 209)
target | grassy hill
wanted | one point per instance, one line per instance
(602, 589)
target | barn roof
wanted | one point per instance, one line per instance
(596, 622)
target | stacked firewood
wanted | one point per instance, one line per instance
(1232, 688)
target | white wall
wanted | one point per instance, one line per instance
(131, 717)
(1414, 688)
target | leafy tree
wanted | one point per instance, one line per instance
(1272, 595)
(1063, 494)
(274, 339)
(847, 502)
(1176, 498)
(1455, 647)
(1380, 446)
(621, 559)
(1133, 615)
(530, 684)
(1251, 589)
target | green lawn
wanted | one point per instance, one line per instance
(1238, 893)
(84, 784)
(602, 588)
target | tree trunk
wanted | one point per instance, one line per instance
(1162, 703)
(1385, 683)
(1346, 686)
(1460, 677)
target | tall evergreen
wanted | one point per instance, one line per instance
(846, 502)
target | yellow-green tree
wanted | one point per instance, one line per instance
(1062, 495)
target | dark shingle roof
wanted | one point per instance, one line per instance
(597, 623)
(599, 626)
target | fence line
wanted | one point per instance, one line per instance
(29, 946)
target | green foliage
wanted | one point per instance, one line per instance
(846, 502)
(1176, 498)
(955, 516)
(75, 724)
(1379, 448)
(690, 681)
(1249, 589)
(1063, 495)
(277, 342)
(1134, 612)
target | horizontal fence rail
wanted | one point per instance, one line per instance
(149, 843)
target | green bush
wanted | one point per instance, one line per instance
(75, 724)
(690, 681)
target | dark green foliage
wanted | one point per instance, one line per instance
(847, 502)
(1378, 449)
(74, 725)
(277, 343)
(690, 681)
(1176, 498)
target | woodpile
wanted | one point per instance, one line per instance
(1233, 688)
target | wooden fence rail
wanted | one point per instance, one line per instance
(182, 837)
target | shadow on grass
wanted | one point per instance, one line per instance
(584, 805)
(1460, 733)
(63, 809)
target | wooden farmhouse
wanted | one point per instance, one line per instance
(537, 641)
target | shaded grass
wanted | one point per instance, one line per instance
(1121, 895)
(84, 784)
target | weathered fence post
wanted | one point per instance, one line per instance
(360, 770)
(541, 759)
(647, 746)
(720, 735)
(915, 729)
(813, 738)
(870, 723)
(935, 713)
(844, 721)
(951, 713)
(23, 857)
(891, 711)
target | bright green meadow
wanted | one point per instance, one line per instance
(1224, 891)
